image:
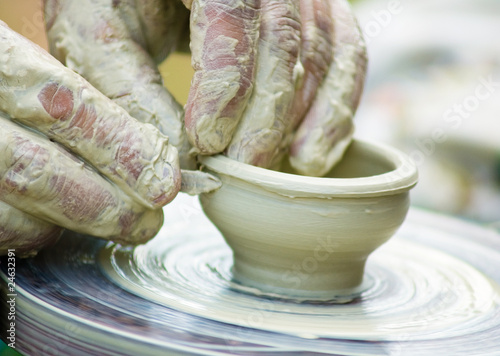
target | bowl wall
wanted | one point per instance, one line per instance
(301, 244)
(303, 236)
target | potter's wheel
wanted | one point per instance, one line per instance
(433, 289)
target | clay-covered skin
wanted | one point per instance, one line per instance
(265, 121)
(258, 65)
(327, 128)
(116, 46)
(294, 54)
(128, 170)
(45, 181)
(223, 44)
(41, 93)
(24, 233)
(316, 53)
(309, 64)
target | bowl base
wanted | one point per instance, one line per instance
(300, 291)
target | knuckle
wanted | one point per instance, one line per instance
(26, 164)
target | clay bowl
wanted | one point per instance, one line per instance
(309, 237)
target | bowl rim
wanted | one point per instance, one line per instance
(401, 179)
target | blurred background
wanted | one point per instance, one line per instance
(432, 90)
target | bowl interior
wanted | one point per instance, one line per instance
(275, 221)
(358, 161)
(367, 168)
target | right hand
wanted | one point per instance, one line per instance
(274, 77)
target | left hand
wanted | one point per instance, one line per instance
(71, 158)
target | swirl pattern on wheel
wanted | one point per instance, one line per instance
(433, 289)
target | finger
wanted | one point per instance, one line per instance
(41, 93)
(93, 39)
(223, 41)
(164, 25)
(327, 128)
(316, 53)
(45, 181)
(265, 120)
(24, 233)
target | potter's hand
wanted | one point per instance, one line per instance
(50, 116)
(268, 74)
(274, 74)
(116, 45)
